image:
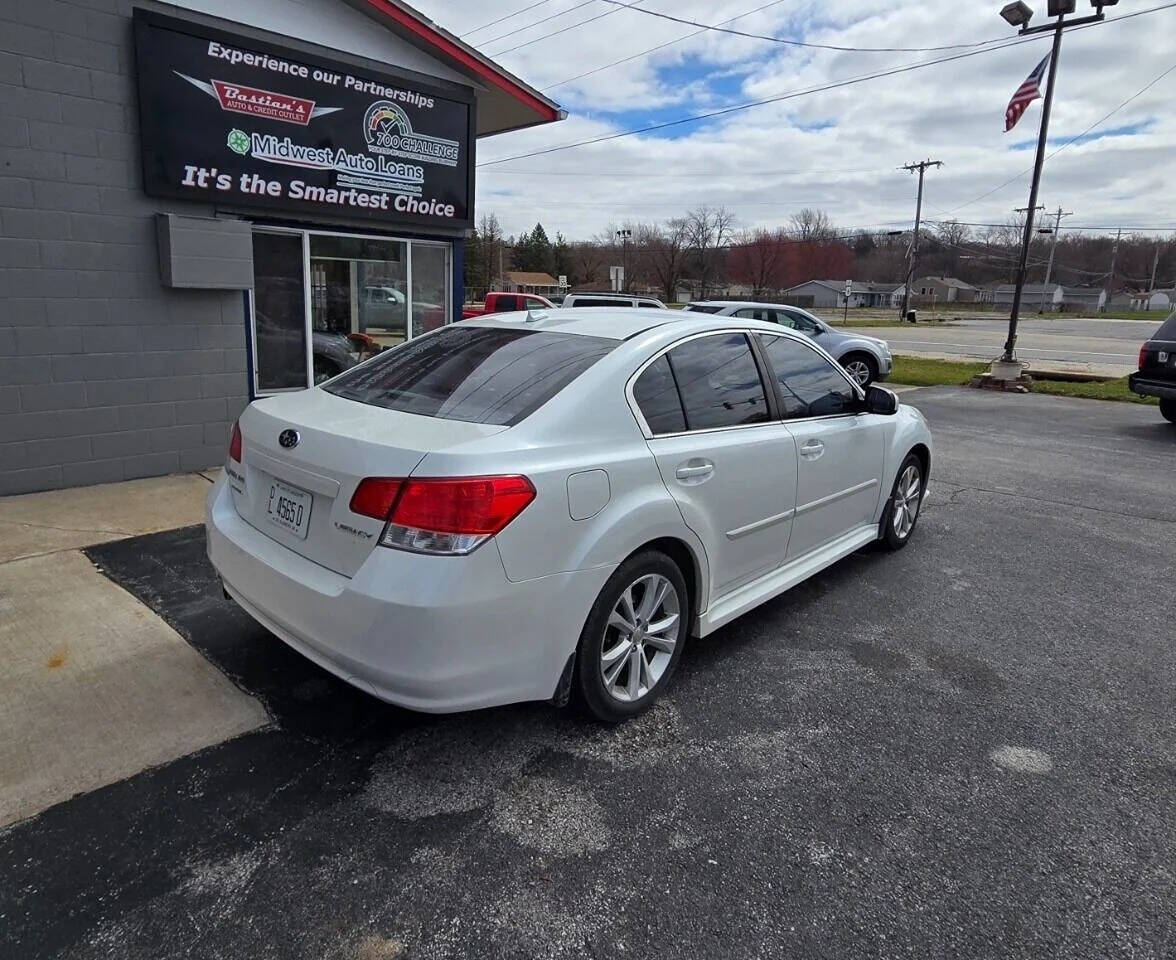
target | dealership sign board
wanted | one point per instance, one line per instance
(236, 121)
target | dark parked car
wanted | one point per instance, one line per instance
(1156, 376)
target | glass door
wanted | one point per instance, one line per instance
(324, 301)
(279, 313)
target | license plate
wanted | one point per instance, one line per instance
(289, 508)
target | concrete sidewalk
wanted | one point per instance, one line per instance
(94, 686)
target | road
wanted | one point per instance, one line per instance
(1094, 345)
(965, 749)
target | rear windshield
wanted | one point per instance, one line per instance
(702, 308)
(1167, 329)
(477, 374)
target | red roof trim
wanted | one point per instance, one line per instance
(458, 52)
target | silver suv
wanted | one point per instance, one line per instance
(866, 359)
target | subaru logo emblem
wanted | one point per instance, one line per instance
(289, 438)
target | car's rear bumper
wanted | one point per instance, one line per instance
(1152, 387)
(437, 634)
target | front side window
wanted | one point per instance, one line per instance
(798, 321)
(702, 308)
(810, 386)
(719, 382)
(477, 374)
(646, 303)
(657, 397)
(600, 302)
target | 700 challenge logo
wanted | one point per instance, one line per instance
(387, 130)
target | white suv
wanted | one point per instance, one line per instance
(611, 300)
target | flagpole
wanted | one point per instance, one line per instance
(1009, 355)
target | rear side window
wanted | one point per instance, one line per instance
(702, 308)
(657, 396)
(1167, 329)
(599, 302)
(810, 386)
(477, 374)
(719, 382)
(508, 303)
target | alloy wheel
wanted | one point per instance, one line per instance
(907, 497)
(640, 637)
(859, 370)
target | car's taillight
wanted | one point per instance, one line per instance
(446, 515)
(1143, 356)
(375, 497)
(235, 443)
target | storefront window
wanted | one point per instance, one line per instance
(430, 286)
(359, 285)
(279, 315)
(365, 294)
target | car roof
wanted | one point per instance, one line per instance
(624, 323)
(616, 323)
(586, 294)
(745, 303)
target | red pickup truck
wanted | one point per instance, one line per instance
(505, 302)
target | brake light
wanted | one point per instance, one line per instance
(442, 515)
(1143, 356)
(375, 497)
(235, 443)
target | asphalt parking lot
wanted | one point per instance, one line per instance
(966, 749)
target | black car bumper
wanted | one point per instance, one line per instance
(1151, 387)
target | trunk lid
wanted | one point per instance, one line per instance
(299, 495)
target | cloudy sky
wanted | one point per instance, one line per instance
(837, 150)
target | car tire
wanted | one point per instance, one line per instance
(615, 678)
(902, 509)
(1168, 410)
(862, 367)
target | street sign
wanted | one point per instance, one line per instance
(563, 279)
(848, 289)
(617, 277)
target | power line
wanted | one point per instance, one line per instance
(892, 71)
(555, 33)
(660, 46)
(811, 90)
(532, 6)
(528, 26)
(720, 28)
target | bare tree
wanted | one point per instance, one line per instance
(493, 247)
(708, 229)
(588, 261)
(759, 259)
(662, 253)
(810, 224)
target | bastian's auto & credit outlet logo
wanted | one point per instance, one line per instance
(239, 98)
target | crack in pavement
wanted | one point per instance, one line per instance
(964, 488)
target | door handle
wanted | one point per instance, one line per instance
(812, 449)
(695, 471)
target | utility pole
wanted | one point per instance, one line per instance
(921, 166)
(1052, 249)
(1155, 263)
(1111, 275)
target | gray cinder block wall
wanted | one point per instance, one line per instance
(104, 374)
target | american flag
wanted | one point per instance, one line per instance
(1026, 93)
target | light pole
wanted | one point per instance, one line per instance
(1018, 14)
(624, 235)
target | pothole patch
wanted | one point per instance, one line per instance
(1022, 759)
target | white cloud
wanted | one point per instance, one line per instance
(838, 149)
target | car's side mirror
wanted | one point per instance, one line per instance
(880, 400)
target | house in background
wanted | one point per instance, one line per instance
(1031, 297)
(521, 281)
(830, 294)
(986, 292)
(1163, 299)
(1088, 299)
(945, 290)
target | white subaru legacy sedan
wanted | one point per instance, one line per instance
(544, 505)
